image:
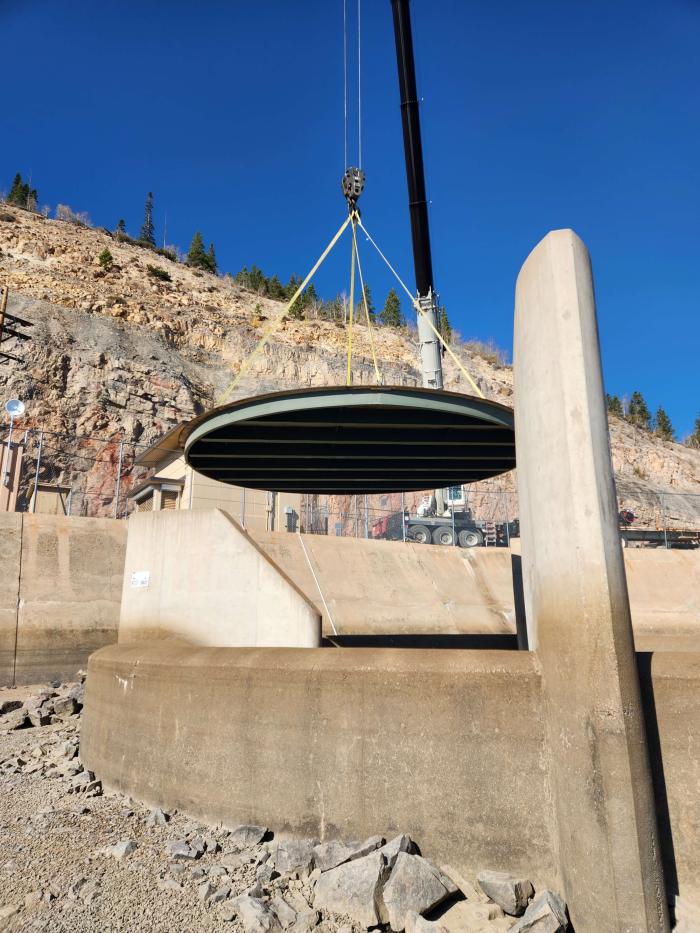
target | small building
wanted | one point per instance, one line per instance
(172, 484)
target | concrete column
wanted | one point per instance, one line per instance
(576, 600)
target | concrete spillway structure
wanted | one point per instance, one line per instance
(528, 761)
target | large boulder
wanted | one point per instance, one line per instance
(415, 884)
(329, 855)
(353, 889)
(511, 893)
(546, 914)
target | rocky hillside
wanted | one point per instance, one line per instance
(124, 355)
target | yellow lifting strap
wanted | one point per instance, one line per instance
(275, 324)
(353, 250)
(420, 311)
(368, 316)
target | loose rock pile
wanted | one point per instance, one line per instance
(149, 869)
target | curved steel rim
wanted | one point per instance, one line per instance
(327, 397)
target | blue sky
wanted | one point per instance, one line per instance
(535, 116)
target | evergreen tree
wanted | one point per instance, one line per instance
(390, 315)
(147, 234)
(638, 413)
(663, 426)
(257, 281)
(211, 256)
(105, 259)
(196, 255)
(16, 190)
(693, 440)
(121, 227)
(292, 285)
(614, 405)
(21, 194)
(310, 297)
(360, 308)
(444, 325)
(276, 290)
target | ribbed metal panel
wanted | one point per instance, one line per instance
(353, 440)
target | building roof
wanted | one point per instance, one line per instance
(163, 448)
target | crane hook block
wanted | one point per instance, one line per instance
(353, 184)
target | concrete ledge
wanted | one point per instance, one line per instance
(446, 745)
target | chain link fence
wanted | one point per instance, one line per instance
(80, 475)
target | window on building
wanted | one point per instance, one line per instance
(169, 498)
(145, 502)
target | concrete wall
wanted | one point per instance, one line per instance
(446, 745)
(383, 587)
(60, 591)
(196, 576)
(671, 699)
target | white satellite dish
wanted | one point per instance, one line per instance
(14, 408)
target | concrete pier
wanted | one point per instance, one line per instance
(577, 604)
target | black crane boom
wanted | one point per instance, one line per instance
(413, 148)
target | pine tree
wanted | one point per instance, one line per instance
(148, 234)
(257, 281)
(638, 412)
(121, 227)
(292, 285)
(211, 256)
(196, 255)
(662, 425)
(310, 297)
(21, 194)
(390, 315)
(360, 309)
(614, 405)
(105, 259)
(276, 290)
(444, 325)
(15, 194)
(693, 440)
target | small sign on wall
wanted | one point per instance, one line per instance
(140, 578)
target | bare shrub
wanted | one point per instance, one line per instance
(66, 213)
(487, 350)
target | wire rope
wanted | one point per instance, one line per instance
(420, 311)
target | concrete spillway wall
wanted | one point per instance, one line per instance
(446, 745)
(60, 593)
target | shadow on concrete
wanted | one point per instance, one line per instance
(516, 565)
(498, 642)
(668, 854)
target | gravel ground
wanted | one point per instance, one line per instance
(54, 871)
(73, 858)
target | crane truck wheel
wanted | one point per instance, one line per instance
(420, 534)
(443, 536)
(470, 538)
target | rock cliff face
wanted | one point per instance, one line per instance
(121, 355)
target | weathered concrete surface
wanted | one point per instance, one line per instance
(67, 573)
(671, 697)
(664, 588)
(576, 600)
(196, 576)
(392, 588)
(10, 559)
(384, 587)
(445, 745)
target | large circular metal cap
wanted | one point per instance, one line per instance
(353, 440)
